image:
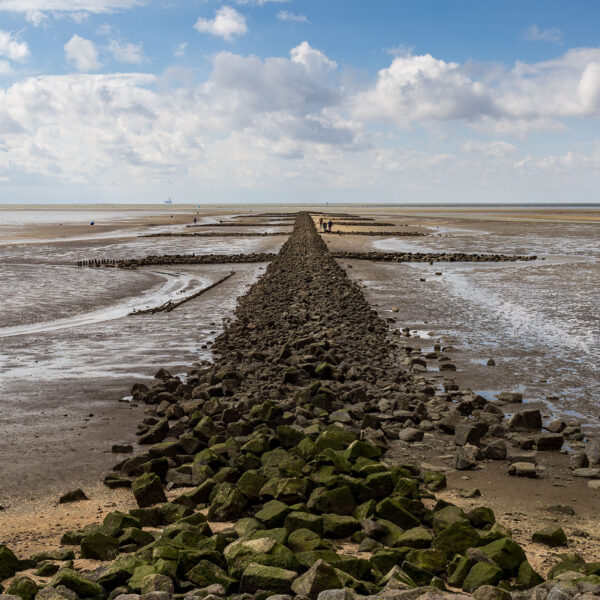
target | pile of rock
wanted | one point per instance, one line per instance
(430, 257)
(195, 259)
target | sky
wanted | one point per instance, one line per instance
(387, 101)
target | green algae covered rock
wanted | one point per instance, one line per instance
(458, 570)
(552, 536)
(482, 574)
(339, 526)
(99, 546)
(321, 576)
(227, 504)
(116, 522)
(206, 573)
(456, 539)
(9, 563)
(304, 540)
(447, 516)
(505, 553)
(417, 537)
(434, 481)
(527, 577)
(273, 513)
(264, 551)
(23, 587)
(82, 586)
(392, 509)
(260, 577)
(148, 490)
(303, 520)
(338, 500)
(250, 483)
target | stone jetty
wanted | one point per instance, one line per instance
(275, 457)
(431, 257)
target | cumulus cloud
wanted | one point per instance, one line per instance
(227, 23)
(286, 15)
(291, 119)
(424, 88)
(535, 34)
(11, 48)
(82, 53)
(83, 127)
(127, 52)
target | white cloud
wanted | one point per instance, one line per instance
(38, 12)
(126, 52)
(294, 123)
(11, 48)
(83, 53)
(90, 6)
(313, 60)
(228, 23)
(525, 97)
(286, 15)
(535, 34)
(5, 68)
(495, 149)
(179, 49)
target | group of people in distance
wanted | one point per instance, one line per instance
(326, 226)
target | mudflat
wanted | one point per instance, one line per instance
(464, 308)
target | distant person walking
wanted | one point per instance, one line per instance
(330, 225)
(195, 220)
(321, 222)
(324, 227)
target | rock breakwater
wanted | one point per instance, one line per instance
(278, 449)
(430, 257)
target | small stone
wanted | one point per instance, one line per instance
(73, 496)
(522, 469)
(550, 536)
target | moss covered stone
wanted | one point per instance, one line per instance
(505, 553)
(264, 551)
(148, 490)
(206, 573)
(99, 546)
(527, 577)
(456, 539)
(260, 577)
(9, 563)
(552, 536)
(82, 586)
(482, 574)
(24, 587)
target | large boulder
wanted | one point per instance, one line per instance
(148, 490)
(227, 504)
(82, 586)
(23, 587)
(505, 553)
(260, 577)
(321, 576)
(99, 546)
(552, 535)
(263, 551)
(9, 563)
(482, 574)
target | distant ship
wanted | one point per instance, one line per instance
(169, 201)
